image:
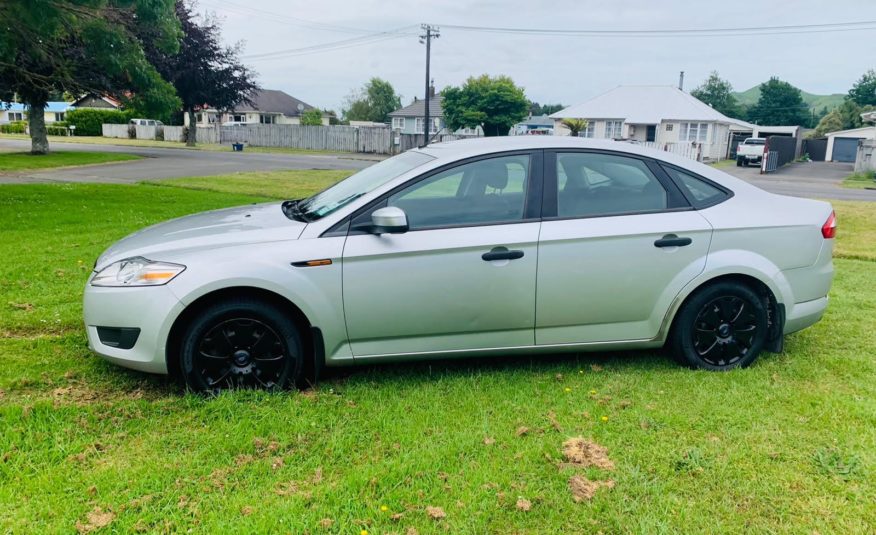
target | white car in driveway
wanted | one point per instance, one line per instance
(496, 246)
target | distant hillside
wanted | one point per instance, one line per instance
(815, 102)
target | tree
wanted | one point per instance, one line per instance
(829, 123)
(863, 92)
(718, 93)
(847, 115)
(204, 72)
(575, 126)
(493, 103)
(83, 47)
(780, 104)
(544, 109)
(311, 117)
(373, 102)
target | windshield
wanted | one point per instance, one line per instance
(346, 191)
(755, 141)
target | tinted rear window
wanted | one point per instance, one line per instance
(700, 192)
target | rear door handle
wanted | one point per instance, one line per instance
(671, 240)
(502, 253)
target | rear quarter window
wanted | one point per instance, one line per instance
(700, 192)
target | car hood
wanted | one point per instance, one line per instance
(257, 223)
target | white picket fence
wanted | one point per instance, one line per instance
(333, 138)
(115, 130)
(173, 133)
(687, 150)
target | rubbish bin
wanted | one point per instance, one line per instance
(237, 147)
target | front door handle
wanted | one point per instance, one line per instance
(502, 253)
(671, 240)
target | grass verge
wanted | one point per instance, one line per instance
(861, 180)
(475, 446)
(23, 161)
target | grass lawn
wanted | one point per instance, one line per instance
(722, 164)
(22, 161)
(787, 446)
(98, 140)
(860, 180)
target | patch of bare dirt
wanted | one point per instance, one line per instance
(97, 518)
(523, 504)
(435, 513)
(579, 451)
(584, 489)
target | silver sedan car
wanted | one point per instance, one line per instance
(478, 247)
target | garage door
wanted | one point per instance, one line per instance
(845, 149)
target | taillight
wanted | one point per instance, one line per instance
(828, 230)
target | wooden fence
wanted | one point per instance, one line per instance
(365, 139)
(334, 138)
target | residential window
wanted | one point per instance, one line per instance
(267, 119)
(199, 118)
(669, 127)
(16, 116)
(589, 130)
(694, 132)
(613, 129)
(238, 118)
(398, 123)
(59, 116)
(435, 126)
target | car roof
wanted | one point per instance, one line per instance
(466, 148)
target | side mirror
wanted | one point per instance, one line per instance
(389, 220)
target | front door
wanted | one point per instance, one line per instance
(462, 277)
(617, 245)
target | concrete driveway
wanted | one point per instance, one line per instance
(170, 163)
(817, 180)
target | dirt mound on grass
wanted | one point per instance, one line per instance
(579, 451)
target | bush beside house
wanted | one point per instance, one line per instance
(88, 121)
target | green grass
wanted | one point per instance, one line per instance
(721, 164)
(274, 184)
(22, 161)
(860, 180)
(786, 446)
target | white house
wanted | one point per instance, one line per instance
(55, 111)
(269, 106)
(662, 116)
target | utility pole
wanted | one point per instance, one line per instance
(431, 33)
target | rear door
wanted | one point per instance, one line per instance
(618, 242)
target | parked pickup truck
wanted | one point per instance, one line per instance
(750, 151)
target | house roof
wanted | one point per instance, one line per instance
(417, 108)
(867, 132)
(274, 101)
(52, 106)
(106, 98)
(645, 104)
(538, 120)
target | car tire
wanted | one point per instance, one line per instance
(241, 343)
(720, 327)
(738, 162)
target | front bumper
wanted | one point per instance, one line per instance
(150, 309)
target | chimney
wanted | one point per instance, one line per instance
(432, 88)
(681, 81)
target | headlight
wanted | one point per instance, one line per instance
(137, 271)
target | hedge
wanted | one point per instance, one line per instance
(88, 121)
(15, 127)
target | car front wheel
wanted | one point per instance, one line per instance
(238, 344)
(721, 327)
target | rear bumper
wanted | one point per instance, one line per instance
(805, 314)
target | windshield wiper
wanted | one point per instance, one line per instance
(292, 211)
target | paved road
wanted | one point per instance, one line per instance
(817, 180)
(170, 163)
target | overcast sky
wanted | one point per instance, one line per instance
(550, 68)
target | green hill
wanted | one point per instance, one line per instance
(815, 102)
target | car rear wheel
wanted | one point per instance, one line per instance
(739, 162)
(721, 327)
(241, 344)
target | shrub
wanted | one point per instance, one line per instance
(15, 127)
(54, 130)
(88, 121)
(312, 117)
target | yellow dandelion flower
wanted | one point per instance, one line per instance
(593, 392)
(363, 532)
(384, 508)
(604, 418)
(567, 389)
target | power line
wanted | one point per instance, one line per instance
(279, 17)
(679, 32)
(327, 47)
